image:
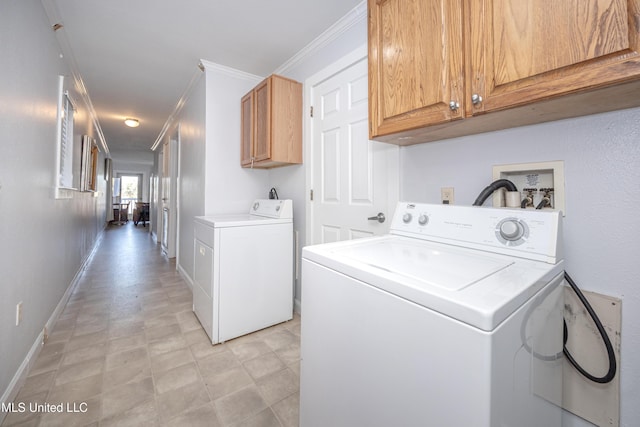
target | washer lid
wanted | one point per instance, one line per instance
(476, 287)
(431, 265)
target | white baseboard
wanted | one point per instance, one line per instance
(23, 370)
(185, 276)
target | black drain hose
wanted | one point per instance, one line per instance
(607, 342)
(488, 191)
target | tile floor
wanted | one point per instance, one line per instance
(128, 351)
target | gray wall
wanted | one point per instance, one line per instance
(601, 156)
(211, 178)
(43, 241)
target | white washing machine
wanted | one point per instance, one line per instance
(454, 319)
(243, 269)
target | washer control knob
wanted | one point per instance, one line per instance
(406, 218)
(511, 230)
(423, 219)
(256, 205)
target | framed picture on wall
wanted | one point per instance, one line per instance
(107, 168)
(89, 164)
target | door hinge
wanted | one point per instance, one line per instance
(311, 111)
(311, 195)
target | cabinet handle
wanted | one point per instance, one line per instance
(453, 105)
(476, 99)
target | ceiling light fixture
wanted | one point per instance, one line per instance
(132, 123)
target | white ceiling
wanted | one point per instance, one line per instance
(137, 57)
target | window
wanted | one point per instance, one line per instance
(66, 110)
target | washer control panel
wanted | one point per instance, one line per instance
(528, 233)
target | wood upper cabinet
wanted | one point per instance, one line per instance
(246, 145)
(523, 61)
(272, 124)
(415, 63)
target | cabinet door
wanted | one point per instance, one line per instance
(247, 114)
(415, 64)
(262, 121)
(523, 51)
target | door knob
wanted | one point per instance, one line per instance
(380, 218)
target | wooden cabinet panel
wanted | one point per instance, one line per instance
(272, 124)
(523, 61)
(247, 114)
(526, 51)
(415, 63)
(261, 144)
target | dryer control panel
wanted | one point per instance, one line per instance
(272, 208)
(532, 234)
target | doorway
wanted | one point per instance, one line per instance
(130, 189)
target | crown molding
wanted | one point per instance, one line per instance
(203, 66)
(65, 47)
(356, 15)
(232, 72)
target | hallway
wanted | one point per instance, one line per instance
(128, 351)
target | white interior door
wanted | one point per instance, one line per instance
(168, 205)
(354, 181)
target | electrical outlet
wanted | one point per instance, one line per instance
(446, 194)
(18, 313)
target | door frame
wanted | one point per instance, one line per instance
(393, 185)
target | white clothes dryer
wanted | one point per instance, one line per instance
(453, 319)
(243, 269)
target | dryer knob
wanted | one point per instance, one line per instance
(406, 218)
(423, 219)
(256, 205)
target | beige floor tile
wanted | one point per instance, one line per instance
(85, 354)
(46, 363)
(226, 382)
(117, 345)
(38, 383)
(115, 360)
(218, 363)
(125, 397)
(278, 386)
(203, 416)
(288, 411)
(181, 400)
(250, 350)
(289, 354)
(144, 414)
(87, 340)
(167, 344)
(131, 372)
(76, 391)
(263, 365)
(264, 418)
(280, 339)
(240, 405)
(202, 349)
(160, 332)
(166, 361)
(176, 378)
